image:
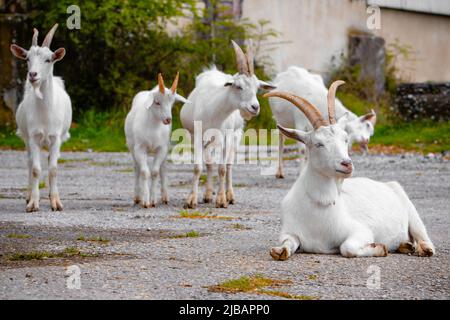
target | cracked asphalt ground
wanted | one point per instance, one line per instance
(125, 252)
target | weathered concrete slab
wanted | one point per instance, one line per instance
(141, 257)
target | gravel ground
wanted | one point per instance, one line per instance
(142, 255)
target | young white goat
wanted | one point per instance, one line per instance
(310, 86)
(44, 116)
(324, 213)
(147, 129)
(220, 101)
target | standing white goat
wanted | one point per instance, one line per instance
(301, 82)
(147, 129)
(44, 116)
(219, 101)
(323, 213)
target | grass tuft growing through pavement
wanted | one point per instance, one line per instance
(41, 255)
(81, 237)
(18, 236)
(190, 234)
(257, 285)
(186, 214)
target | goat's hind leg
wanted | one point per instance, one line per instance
(137, 189)
(290, 244)
(163, 175)
(29, 164)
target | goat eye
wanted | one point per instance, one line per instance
(320, 145)
(238, 87)
(48, 60)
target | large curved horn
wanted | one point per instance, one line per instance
(34, 41)
(162, 87)
(311, 112)
(175, 83)
(49, 36)
(241, 59)
(250, 58)
(332, 100)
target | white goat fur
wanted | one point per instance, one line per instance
(220, 101)
(326, 213)
(310, 86)
(43, 119)
(147, 129)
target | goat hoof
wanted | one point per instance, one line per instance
(424, 249)
(136, 200)
(221, 201)
(279, 175)
(279, 253)
(381, 250)
(230, 197)
(191, 202)
(32, 206)
(406, 248)
(55, 203)
(207, 199)
(165, 201)
(145, 204)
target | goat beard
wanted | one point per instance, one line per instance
(37, 90)
(364, 148)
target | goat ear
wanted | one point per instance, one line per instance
(18, 52)
(59, 54)
(149, 101)
(294, 134)
(181, 99)
(266, 86)
(371, 117)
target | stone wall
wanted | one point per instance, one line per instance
(424, 101)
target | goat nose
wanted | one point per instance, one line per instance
(347, 163)
(167, 121)
(33, 74)
(255, 107)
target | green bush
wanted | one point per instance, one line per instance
(122, 45)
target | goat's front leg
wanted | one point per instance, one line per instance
(55, 145)
(360, 244)
(280, 173)
(140, 154)
(289, 244)
(192, 200)
(221, 199)
(35, 172)
(158, 159)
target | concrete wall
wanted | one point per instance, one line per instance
(316, 32)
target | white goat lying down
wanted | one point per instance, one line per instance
(326, 213)
(310, 86)
(220, 101)
(44, 116)
(147, 130)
